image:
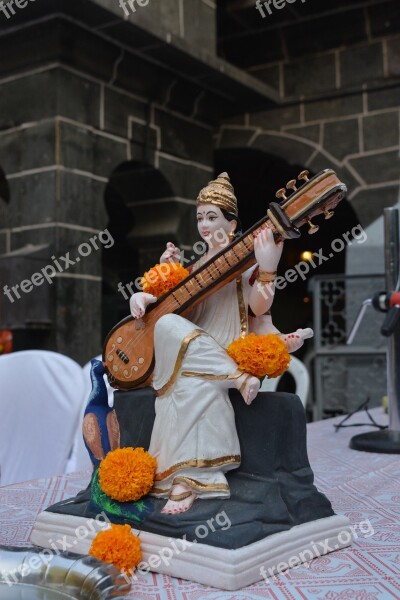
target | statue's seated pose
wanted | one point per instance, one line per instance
(194, 436)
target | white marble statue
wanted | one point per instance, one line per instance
(194, 437)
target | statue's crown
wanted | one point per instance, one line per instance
(219, 192)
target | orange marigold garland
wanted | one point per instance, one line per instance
(163, 277)
(127, 474)
(118, 546)
(260, 355)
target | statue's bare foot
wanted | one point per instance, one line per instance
(295, 340)
(248, 386)
(180, 500)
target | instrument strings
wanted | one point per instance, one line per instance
(206, 276)
(169, 304)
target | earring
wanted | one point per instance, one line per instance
(231, 236)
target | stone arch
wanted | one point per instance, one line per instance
(143, 214)
(290, 148)
(296, 150)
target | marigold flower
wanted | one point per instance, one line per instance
(163, 277)
(127, 474)
(260, 355)
(118, 546)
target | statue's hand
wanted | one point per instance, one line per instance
(139, 302)
(171, 254)
(267, 252)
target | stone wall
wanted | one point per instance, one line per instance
(339, 107)
(63, 131)
(337, 77)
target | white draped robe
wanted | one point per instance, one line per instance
(194, 436)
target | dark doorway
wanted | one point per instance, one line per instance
(129, 199)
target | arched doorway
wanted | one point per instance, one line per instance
(140, 206)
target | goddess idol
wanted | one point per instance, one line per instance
(194, 437)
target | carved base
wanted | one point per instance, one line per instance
(209, 565)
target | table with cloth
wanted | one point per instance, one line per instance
(365, 487)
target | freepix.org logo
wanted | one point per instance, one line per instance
(8, 8)
(271, 6)
(49, 271)
(132, 5)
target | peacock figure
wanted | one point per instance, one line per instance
(100, 427)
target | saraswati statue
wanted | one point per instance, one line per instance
(194, 437)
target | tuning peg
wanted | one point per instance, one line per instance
(281, 194)
(291, 185)
(328, 214)
(313, 228)
(304, 175)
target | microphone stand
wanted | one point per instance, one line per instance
(386, 441)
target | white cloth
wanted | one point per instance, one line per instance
(194, 436)
(41, 395)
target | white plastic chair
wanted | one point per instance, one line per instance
(79, 459)
(300, 375)
(41, 396)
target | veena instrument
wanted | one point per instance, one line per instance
(129, 347)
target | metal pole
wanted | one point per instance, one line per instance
(392, 264)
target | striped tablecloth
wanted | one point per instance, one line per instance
(363, 486)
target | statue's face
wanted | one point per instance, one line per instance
(213, 227)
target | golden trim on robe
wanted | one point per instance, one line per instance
(199, 463)
(200, 486)
(179, 359)
(244, 325)
(193, 484)
(238, 373)
(179, 497)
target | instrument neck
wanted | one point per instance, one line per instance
(228, 264)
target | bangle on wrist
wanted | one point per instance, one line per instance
(265, 276)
